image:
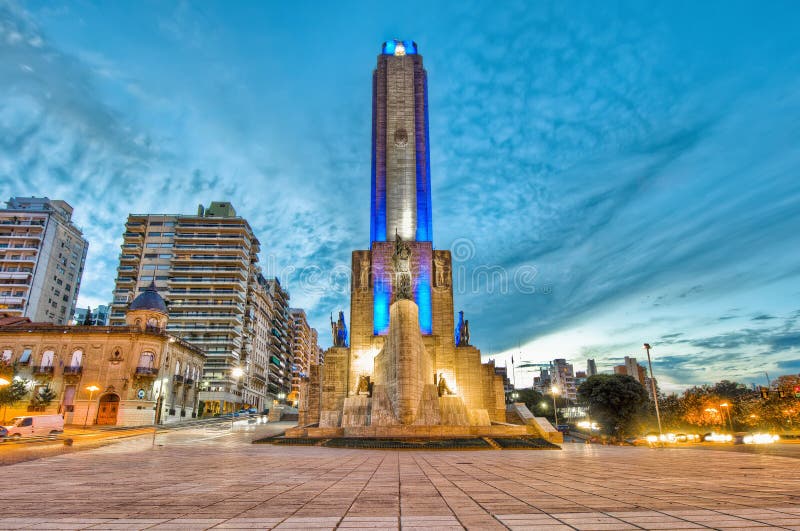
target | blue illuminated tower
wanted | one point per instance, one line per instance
(401, 185)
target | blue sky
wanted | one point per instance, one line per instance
(605, 173)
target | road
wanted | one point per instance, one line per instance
(94, 437)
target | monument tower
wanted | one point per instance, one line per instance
(402, 369)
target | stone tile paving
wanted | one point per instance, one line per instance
(226, 483)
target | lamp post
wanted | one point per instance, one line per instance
(554, 392)
(728, 411)
(237, 372)
(653, 387)
(91, 389)
(3, 383)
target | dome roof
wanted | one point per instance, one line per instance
(149, 299)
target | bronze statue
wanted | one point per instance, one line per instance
(363, 385)
(339, 331)
(401, 261)
(441, 386)
(462, 331)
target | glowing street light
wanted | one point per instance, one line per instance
(237, 372)
(554, 392)
(92, 389)
(4, 382)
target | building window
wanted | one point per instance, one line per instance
(26, 356)
(7, 353)
(147, 359)
(77, 357)
(47, 358)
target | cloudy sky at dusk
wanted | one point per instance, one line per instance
(605, 173)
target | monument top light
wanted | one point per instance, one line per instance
(398, 47)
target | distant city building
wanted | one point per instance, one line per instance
(543, 382)
(564, 378)
(141, 374)
(206, 268)
(305, 350)
(591, 368)
(632, 369)
(42, 254)
(99, 316)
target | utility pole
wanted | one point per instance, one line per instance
(653, 387)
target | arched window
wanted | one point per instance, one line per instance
(7, 353)
(77, 357)
(47, 358)
(177, 367)
(147, 359)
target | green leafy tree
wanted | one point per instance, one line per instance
(531, 398)
(12, 393)
(615, 401)
(44, 397)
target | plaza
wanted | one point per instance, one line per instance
(216, 478)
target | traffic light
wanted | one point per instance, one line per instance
(764, 392)
(797, 391)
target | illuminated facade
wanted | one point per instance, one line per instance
(140, 373)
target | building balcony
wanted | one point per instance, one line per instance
(178, 379)
(189, 381)
(133, 235)
(144, 372)
(44, 370)
(73, 371)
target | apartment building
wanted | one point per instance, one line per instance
(304, 347)
(205, 267)
(42, 255)
(280, 354)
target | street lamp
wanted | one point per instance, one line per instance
(554, 392)
(4, 382)
(653, 387)
(91, 389)
(728, 411)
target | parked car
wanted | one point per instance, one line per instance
(3, 432)
(35, 426)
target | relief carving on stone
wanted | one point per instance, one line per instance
(401, 262)
(363, 273)
(441, 272)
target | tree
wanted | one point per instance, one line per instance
(12, 393)
(87, 320)
(531, 398)
(615, 401)
(43, 397)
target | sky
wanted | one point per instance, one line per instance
(605, 173)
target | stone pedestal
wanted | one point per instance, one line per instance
(453, 411)
(428, 413)
(356, 411)
(382, 412)
(404, 366)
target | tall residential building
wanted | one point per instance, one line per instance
(304, 347)
(42, 254)
(281, 354)
(205, 267)
(591, 368)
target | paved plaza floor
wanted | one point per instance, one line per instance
(216, 479)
